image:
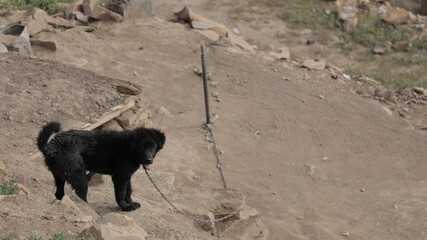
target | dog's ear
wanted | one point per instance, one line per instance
(159, 137)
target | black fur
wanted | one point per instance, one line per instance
(71, 153)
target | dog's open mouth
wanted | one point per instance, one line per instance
(147, 166)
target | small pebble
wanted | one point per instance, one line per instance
(347, 76)
(345, 234)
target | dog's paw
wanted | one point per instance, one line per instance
(136, 205)
(130, 207)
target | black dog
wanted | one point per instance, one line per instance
(71, 153)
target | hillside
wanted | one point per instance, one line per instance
(315, 152)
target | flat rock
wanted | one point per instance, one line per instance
(68, 202)
(398, 16)
(60, 22)
(114, 226)
(420, 90)
(201, 25)
(128, 89)
(101, 13)
(382, 48)
(314, 64)
(44, 40)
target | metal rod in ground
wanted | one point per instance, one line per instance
(205, 85)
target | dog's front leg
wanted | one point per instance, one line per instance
(120, 190)
(128, 198)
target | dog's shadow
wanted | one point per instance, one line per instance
(104, 209)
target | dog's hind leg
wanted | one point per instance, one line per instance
(76, 176)
(59, 182)
(79, 183)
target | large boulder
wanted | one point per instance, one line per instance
(17, 39)
(398, 16)
(45, 40)
(114, 226)
(35, 20)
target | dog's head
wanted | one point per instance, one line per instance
(151, 141)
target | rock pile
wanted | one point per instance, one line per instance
(348, 11)
(22, 29)
(213, 30)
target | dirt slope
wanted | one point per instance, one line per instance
(315, 159)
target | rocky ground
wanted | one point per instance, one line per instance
(320, 154)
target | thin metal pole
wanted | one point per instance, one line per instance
(205, 84)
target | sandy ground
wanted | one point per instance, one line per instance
(314, 158)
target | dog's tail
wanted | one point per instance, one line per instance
(45, 133)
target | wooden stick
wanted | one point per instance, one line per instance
(116, 112)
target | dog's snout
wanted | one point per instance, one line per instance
(149, 160)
